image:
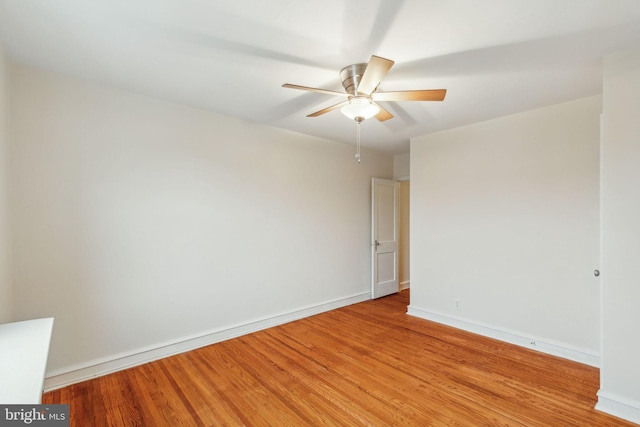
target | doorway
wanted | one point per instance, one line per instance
(390, 237)
(404, 235)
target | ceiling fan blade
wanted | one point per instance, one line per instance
(383, 114)
(376, 70)
(314, 89)
(411, 95)
(326, 110)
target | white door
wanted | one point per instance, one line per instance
(384, 237)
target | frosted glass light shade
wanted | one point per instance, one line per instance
(360, 106)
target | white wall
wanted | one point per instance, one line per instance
(6, 287)
(505, 219)
(401, 166)
(620, 374)
(140, 222)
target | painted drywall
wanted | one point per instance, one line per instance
(401, 166)
(620, 373)
(404, 235)
(505, 221)
(6, 286)
(139, 221)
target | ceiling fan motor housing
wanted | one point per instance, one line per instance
(351, 76)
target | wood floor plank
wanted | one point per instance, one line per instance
(425, 393)
(323, 381)
(330, 377)
(471, 381)
(367, 364)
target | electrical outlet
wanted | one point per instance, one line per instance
(458, 304)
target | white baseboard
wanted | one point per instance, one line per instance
(545, 346)
(103, 366)
(405, 285)
(618, 406)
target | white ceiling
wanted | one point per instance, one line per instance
(495, 57)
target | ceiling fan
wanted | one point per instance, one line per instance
(360, 82)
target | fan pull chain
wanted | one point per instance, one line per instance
(358, 140)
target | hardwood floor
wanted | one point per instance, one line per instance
(366, 364)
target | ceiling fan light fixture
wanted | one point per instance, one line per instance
(360, 107)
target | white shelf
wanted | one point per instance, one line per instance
(24, 349)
